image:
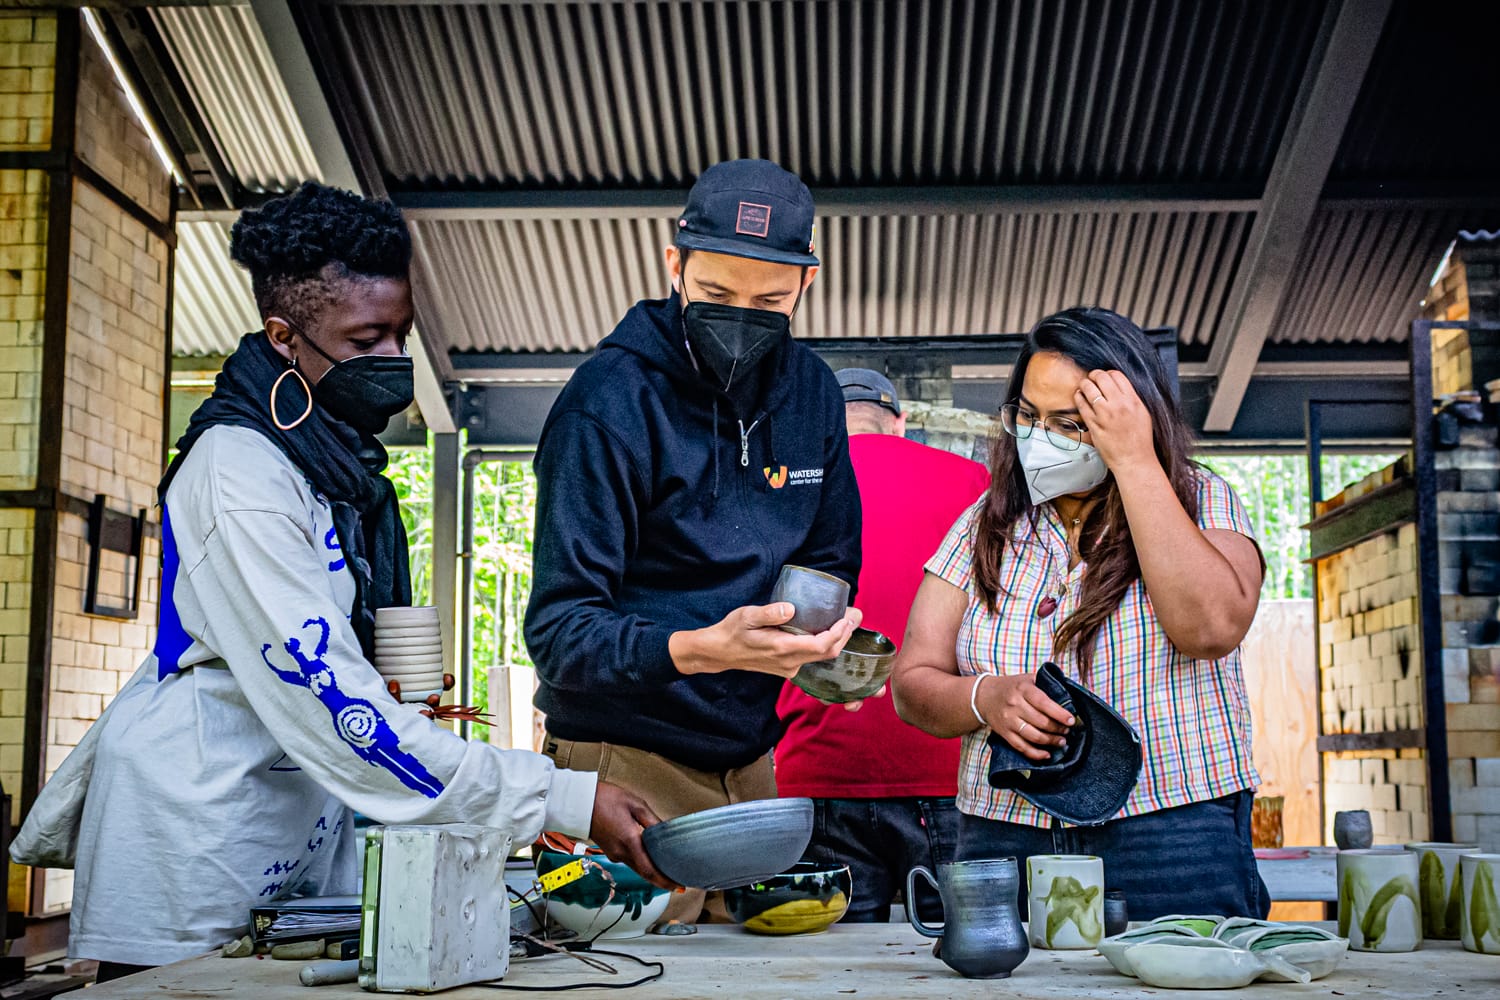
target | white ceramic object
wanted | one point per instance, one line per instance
(1438, 886)
(1379, 909)
(1204, 964)
(421, 615)
(1065, 895)
(409, 644)
(1315, 949)
(415, 696)
(587, 921)
(407, 631)
(1114, 948)
(1479, 917)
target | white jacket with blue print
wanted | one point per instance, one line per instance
(223, 774)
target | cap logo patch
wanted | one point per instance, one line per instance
(753, 220)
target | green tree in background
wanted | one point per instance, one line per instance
(504, 511)
(1274, 490)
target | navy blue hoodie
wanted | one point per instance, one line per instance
(649, 522)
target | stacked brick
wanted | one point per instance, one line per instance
(1469, 575)
(1370, 673)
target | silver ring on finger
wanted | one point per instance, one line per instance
(1022, 730)
(1097, 400)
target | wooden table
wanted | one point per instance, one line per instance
(852, 960)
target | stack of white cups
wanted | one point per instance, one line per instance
(409, 649)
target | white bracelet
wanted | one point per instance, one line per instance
(973, 699)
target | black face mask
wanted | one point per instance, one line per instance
(364, 391)
(730, 342)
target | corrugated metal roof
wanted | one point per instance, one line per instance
(227, 66)
(1362, 274)
(563, 284)
(212, 306)
(643, 93)
(1427, 108)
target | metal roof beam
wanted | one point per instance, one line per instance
(282, 22)
(1324, 104)
(844, 201)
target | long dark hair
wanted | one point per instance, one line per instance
(1092, 339)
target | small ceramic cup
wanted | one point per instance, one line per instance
(820, 599)
(1440, 887)
(1479, 911)
(1065, 893)
(1352, 830)
(1116, 913)
(1379, 909)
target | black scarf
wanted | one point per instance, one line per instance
(342, 464)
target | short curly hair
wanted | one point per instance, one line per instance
(303, 248)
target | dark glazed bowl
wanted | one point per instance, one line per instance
(731, 845)
(809, 898)
(858, 672)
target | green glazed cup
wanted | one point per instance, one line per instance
(1440, 887)
(1066, 897)
(1379, 908)
(1479, 911)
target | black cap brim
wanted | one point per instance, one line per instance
(741, 248)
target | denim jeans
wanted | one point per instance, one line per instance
(1192, 859)
(881, 840)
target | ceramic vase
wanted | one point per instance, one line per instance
(1479, 909)
(1379, 908)
(1440, 887)
(1352, 830)
(1065, 893)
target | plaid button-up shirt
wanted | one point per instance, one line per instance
(1193, 716)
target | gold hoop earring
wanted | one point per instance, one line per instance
(307, 391)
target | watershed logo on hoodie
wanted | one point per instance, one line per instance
(779, 477)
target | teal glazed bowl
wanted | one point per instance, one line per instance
(584, 905)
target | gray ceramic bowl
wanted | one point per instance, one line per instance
(731, 845)
(820, 599)
(858, 672)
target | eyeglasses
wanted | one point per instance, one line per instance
(1062, 432)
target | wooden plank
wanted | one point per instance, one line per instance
(858, 960)
(1375, 513)
(1400, 739)
(1279, 660)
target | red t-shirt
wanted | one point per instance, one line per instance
(911, 496)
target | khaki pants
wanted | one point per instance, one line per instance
(670, 789)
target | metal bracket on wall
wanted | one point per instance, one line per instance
(111, 531)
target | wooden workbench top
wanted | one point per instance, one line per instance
(854, 960)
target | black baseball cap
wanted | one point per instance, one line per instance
(863, 385)
(1089, 781)
(750, 208)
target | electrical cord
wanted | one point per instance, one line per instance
(659, 969)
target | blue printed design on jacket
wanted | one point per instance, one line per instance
(172, 640)
(331, 543)
(357, 722)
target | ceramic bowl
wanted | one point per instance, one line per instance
(858, 672)
(1312, 948)
(820, 599)
(1114, 948)
(584, 906)
(811, 897)
(406, 616)
(731, 845)
(1203, 964)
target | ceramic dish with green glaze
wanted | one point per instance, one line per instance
(1200, 963)
(808, 899)
(1312, 948)
(1114, 948)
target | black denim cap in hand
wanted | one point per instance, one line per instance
(750, 208)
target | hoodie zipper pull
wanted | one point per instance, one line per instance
(745, 444)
